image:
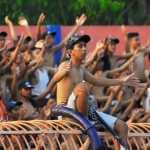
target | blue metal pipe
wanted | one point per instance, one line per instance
(83, 121)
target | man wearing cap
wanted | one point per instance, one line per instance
(3, 42)
(49, 56)
(25, 88)
(70, 86)
(13, 108)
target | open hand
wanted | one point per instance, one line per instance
(7, 21)
(41, 18)
(68, 66)
(99, 44)
(22, 21)
(48, 108)
(131, 81)
(123, 29)
(80, 21)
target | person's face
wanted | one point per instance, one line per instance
(79, 51)
(18, 59)
(51, 40)
(26, 92)
(2, 41)
(35, 53)
(135, 42)
(24, 46)
(111, 47)
(15, 112)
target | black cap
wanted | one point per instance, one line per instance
(132, 34)
(28, 38)
(3, 33)
(11, 49)
(75, 38)
(11, 104)
(25, 85)
(108, 40)
(48, 33)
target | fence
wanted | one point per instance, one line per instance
(66, 134)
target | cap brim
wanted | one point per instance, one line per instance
(84, 38)
(52, 33)
(19, 103)
(29, 87)
(28, 39)
(116, 40)
(3, 34)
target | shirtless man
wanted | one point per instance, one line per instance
(98, 90)
(49, 56)
(70, 84)
(133, 42)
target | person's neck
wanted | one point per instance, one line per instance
(110, 54)
(132, 49)
(25, 99)
(40, 67)
(76, 63)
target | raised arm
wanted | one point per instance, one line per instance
(23, 22)
(129, 80)
(125, 56)
(124, 66)
(40, 20)
(113, 111)
(127, 48)
(14, 54)
(12, 30)
(63, 70)
(48, 90)
(79, 22)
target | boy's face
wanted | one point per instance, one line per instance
(2, 41)
(15, 112)
(24, 46)
(79, 50)
(135, 42)
(112, 47)
(51, 40)
(26, 92)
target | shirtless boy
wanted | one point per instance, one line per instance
(70, 84)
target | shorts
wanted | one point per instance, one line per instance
(110, 120)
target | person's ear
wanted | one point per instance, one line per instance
(69, 52)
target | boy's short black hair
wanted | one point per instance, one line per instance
(132, 34)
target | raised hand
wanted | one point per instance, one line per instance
(99, 44)
(21, 39)
(22, 112)
(137, 115)
(68, 65)
(80, 21)
(7, 21)
(131, 81)
(22, 21)
(48, 108)
(41, 18)
(123, 29)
